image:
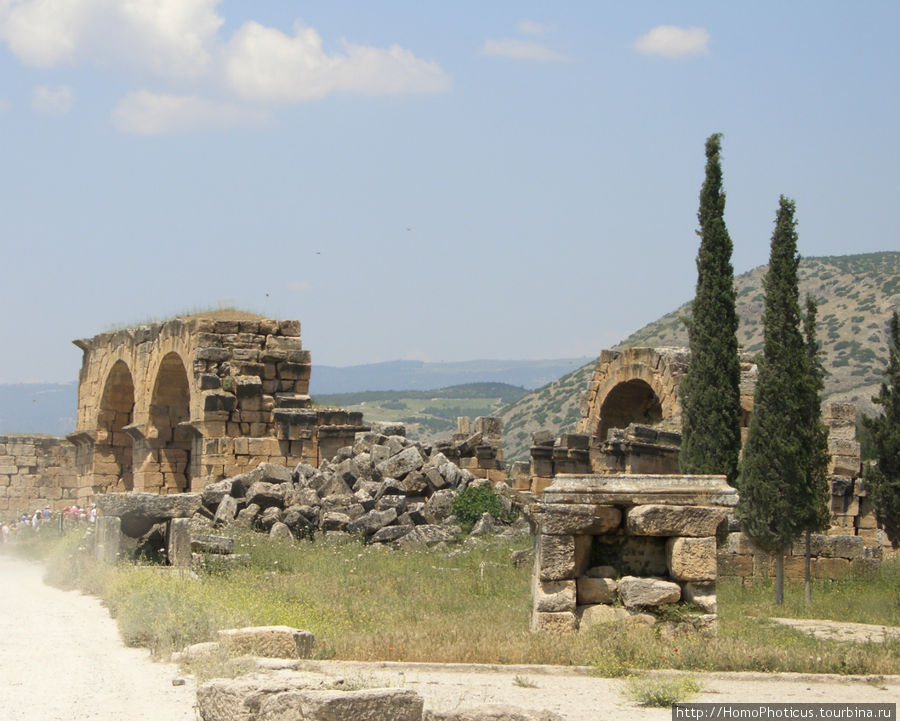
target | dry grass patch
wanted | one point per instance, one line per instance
(464, 604)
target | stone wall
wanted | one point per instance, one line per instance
(622, 547)
(36, 471)
(477, 447)
(832, 557)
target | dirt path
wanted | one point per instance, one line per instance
(62, 660)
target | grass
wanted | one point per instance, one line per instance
(372, 603)
(661, 691)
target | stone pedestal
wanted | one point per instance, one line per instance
(639, 541)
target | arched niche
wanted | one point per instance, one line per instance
(112, 461)
(170, 405)
(633, 401)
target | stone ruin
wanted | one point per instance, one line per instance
(170, 407)
(623, 454)
(382, 489)
(617, 548)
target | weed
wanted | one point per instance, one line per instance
(524, 682)
(660, 691)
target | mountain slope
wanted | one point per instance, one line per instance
(856, 296)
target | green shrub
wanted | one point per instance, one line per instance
(469, 505)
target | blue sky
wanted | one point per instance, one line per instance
(440, 181)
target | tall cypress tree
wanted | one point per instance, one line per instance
(883, 479)
(710, 390)
(772, 507)
(817, 490)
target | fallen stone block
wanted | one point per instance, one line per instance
(492, 712)
(269, 641)
(239, 699)
(377, 704)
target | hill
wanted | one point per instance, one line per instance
(418, 375)
(428, 415)
(856, 296)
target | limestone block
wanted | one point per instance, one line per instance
(388, 534)
(562, 557)
(265, 494)
(562, 622)
(491, 712)
(575, 518)
(280, 532)
(107, 542)
(637, 592)
(428, 535)
(599, 615)
(178, 542)
(397, 466)
(844, 465)
(740, 543)
(691, 559)
(843, 447)
(596, 590)
(268, 641)
(840, 546)
(554, 596)
(332, 705)
(832, 568)
(372, 522)
(662, 520)
(220, 545)
(238, 699)
(701, 594)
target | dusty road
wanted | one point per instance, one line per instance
(62, 660)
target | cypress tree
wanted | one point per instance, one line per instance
(818, 515)
(773, 503)
(883, 479)
(710, 390)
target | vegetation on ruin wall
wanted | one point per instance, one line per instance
(443, 606)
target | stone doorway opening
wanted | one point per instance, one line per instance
(113, 450)
(168, 468)
(631, 402)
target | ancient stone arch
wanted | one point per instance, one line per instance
(113, 454)
(169, 407)
(635, 385)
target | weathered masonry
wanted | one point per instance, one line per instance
(630, 418)
(170, 407)
(622, 547)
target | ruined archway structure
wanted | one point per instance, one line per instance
(630, 418)
(172, 406)
(635, 385)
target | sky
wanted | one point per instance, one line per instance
(438, 181)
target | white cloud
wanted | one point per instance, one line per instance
(177, 46)
(522, 50)
(52, 101)
(529, 27)
(673, 42)
(266, 65)
(146, 113)
(169, 38)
